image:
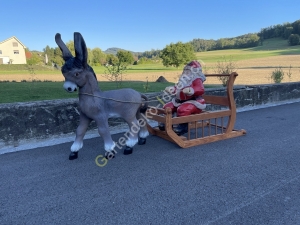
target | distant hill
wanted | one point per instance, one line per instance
(115, 50)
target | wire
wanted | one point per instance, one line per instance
(116, 100)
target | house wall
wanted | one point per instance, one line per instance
(8, 51)
(4, 60)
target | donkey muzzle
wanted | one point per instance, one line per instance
(70, 86)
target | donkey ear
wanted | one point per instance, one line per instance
(65, 51)
(80, 49)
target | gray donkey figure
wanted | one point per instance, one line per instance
(98, 105)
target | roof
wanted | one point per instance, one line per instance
(13, 37)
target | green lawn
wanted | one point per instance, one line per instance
(24, 69)
(34, 91)
(271, 47)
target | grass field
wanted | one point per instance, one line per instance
(33, 91)
(254, 66)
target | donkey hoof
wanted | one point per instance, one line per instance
(128, 150)
(142, 141)
(110, 155)
(73, 155)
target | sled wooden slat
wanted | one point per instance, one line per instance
(201, 116)
(216, 100)
(198, 124)
(154, 111)
(155, 117)
(203, 128)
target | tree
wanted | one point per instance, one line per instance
(115, 73)
(296, 26)
(150, 54)
(34, 59)
(287, 32)
(125, 57)
(177, 54)
(98, 57)
(50, 53)
(294, 39)
(57, 59)
(90, 57)
(111, 59)
(71, 47)
(117, 66)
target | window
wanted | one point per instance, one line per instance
(15, 44)
(16, 51)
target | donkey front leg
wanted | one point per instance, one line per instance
(80, 132)
(109, 144)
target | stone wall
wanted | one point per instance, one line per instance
(43, 119)
(39, 119)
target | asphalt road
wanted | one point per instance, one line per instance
(252, 179)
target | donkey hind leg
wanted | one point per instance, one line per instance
(143, 133)
(80, 132)
(131, 135)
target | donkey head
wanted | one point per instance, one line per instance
(75, 70)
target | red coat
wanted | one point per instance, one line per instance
(196, 85)
(188, 103)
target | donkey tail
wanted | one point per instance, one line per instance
(144, 105)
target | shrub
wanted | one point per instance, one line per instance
(277, 75)
(294, 39)
(225, 67)
(115, 73)
(289, 73)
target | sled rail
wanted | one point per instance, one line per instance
(203, 128)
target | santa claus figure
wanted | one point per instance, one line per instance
(188, 94)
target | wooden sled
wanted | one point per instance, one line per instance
(203, 128)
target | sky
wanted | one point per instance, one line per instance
(138, 25)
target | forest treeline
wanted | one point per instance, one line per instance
(288, 31)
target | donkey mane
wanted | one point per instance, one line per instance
(75, 63)
(89, 68)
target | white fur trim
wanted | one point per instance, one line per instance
(109, 147)
(188, 91)
(170, 89)
(195, 70)
(196, 103)
(143, 133)
(131, 142)
(76, 146)
(187, 80)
